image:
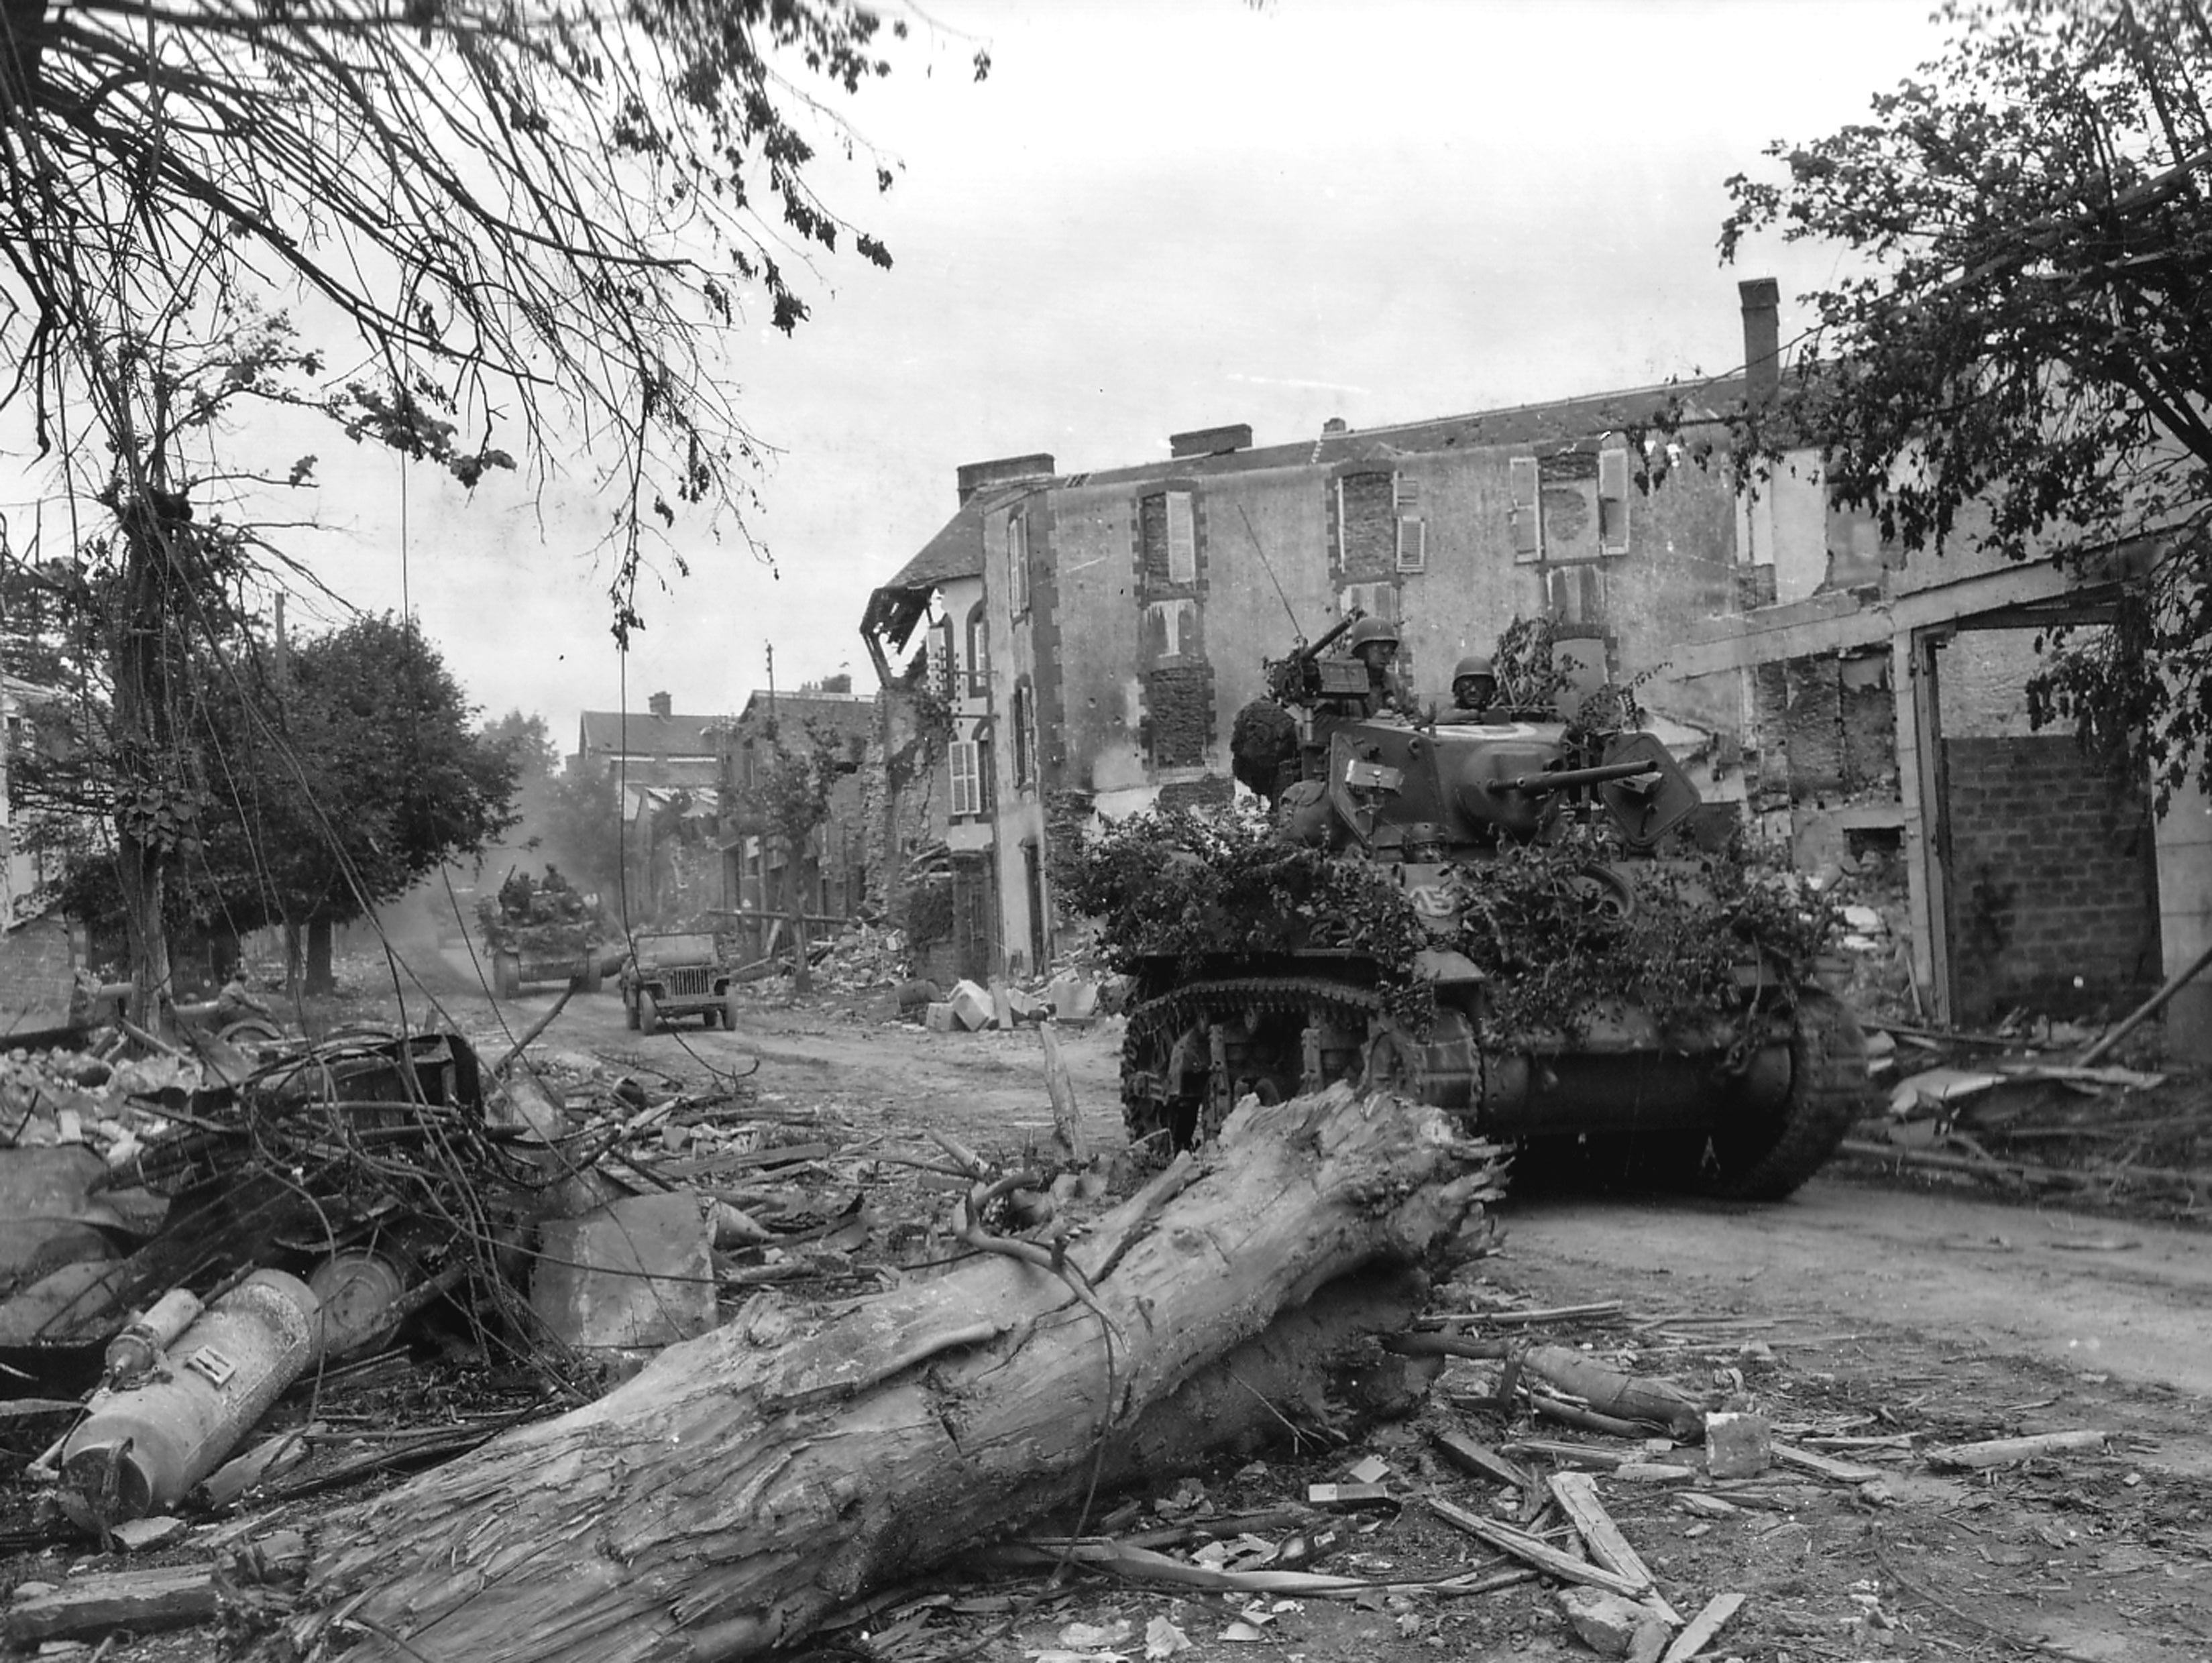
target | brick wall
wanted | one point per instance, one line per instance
(2053, 882)
(1179, 714)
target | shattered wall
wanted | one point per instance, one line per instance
(2053, 882)
(1825, 729)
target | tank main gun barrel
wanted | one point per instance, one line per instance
(1537, 784)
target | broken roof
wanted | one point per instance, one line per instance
(956, 552)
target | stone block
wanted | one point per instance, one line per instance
(635, 1273)
(1604, 1622)
(971, 1006)
(1075, 996)
(1737, 1445)
(937, 1017)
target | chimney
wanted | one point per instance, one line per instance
(1762, 340)
(1334, 426)
(973, 476)
(1211, 441)
(659, 704)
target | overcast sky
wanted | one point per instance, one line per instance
(1160, 215)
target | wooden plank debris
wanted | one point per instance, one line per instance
(161, 1596)
(1531, 1551)
(1576, 1495)
(1598, 1310)
(1703, 1627)
(1470, 1455)
(2004, 1452)
(1825, 1466)
(1574, 1454)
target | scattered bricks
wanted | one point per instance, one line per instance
(1606, 1623)
(1737, 1445)
(635, 1273)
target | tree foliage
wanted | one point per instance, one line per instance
(317, 791)
(584, 828)
(520, 225)
(526, 741)
(363, 776)
(539, 217)
(2019, 354)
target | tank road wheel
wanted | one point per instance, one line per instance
(1765, 1156)
(648, 1011)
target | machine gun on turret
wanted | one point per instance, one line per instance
(1305, 678)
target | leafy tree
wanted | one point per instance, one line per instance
(2021, 352)
(531, 218)
(371, 778)
(317, 790)
(584, 828)
(526, 741)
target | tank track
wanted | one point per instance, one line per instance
(1154, 1025)
(1827, 1093)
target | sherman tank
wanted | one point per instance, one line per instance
(541, 933)
(1744, 1097)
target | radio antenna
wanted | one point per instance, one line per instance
(1268, 568)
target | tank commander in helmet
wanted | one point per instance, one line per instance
(1473, 685)
(1374, 642)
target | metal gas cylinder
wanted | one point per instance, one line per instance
(143, 1448)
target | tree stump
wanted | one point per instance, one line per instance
(728, 1498)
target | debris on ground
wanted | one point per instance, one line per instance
(480, 1258)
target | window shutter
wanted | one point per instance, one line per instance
(1412, 544)
(1613, 502)
(1182, 538)
(1017, 567)
(941, 672)
(967, 796)
(1413, 529)
(1528, 520)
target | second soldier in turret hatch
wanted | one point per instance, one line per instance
(1474, 684)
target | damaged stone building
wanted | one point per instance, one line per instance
(1091, 636)
(1882, 717)
(831, 868)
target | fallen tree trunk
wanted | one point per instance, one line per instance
(727, 1499)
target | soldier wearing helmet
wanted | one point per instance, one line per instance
(1473, 683)
(1374, 642)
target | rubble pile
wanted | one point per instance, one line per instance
(2020, 1112)
(862, 957)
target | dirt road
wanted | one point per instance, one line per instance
(2132, 1301)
